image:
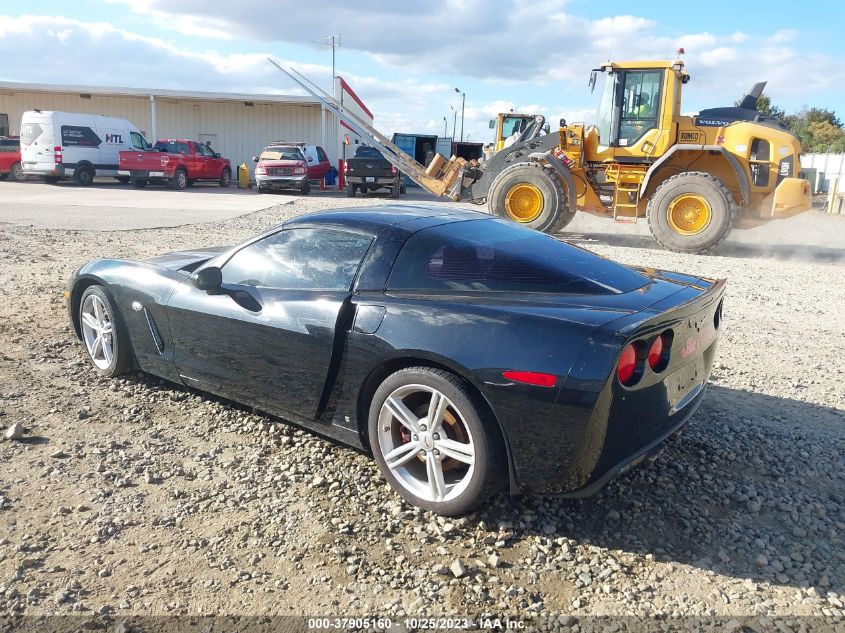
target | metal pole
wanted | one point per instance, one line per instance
(153, 117)
(463, 103)
(445, 127)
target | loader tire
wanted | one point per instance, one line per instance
(691, 213)
(530, 195)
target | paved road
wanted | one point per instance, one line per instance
(108, 205)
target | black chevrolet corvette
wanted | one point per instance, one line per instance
(465, 352)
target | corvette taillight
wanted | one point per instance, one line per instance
(658, 353)
(530, 378)
(629, 368)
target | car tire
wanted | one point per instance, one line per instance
(305, 189)
(691, 212)
(51, 179)
(350, 190)
(84, 175)
(4, 176)
(16, 172)
(225, 178)
(530, 195)
(138, 183)
(403, 188)
(394, 190)
(450, 468)
(262, 189)
(108, 350)
(179, 180)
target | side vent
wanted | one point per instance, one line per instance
(154, 331)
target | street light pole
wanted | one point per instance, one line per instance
(445, 127)
(454, 121)
(463, 105)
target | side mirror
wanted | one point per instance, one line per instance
(310, 159)
(216, 154)
(563, 123)
(492, 124)
(547, 128)
(255, 159)
(207, 279)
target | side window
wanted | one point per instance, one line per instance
(301, 259)
(182, 148)
(512, 125)
(640, 104)
(138, 141)
(204, 150)
(322, 155)
(4, 124)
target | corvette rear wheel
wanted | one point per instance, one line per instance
(103, 333)
(432, 442)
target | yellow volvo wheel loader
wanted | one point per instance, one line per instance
(694, 178)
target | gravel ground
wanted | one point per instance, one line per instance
(135, 496)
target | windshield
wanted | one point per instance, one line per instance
(281, 153)
(604, 120)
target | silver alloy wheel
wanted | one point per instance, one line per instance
(423, 451)
(97, 331)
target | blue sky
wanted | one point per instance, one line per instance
(405, 60)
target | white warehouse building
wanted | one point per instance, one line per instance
(236, 125)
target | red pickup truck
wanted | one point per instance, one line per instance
(10, 158)
(176, 162)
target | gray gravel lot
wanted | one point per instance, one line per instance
(135, 496)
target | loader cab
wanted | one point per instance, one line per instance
(638, 105)
(509, 126)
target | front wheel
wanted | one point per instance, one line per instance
(691, 213)
(433, 443)
(531, 195)
(139, 183)
(225, 178)
(306, 188)
(16, 172)
(351, 190)
(104, 333)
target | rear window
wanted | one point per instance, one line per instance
(282, 153)
(172, 147)
(498, 256)
(367, 152)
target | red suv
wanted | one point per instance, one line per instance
(282, 166)
(10, 158)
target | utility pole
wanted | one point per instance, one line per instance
(333, 42)
(445, 127)
(463, 105)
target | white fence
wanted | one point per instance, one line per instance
(819, 169)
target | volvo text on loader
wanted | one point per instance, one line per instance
(694, 178)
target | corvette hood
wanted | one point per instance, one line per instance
(186, 260)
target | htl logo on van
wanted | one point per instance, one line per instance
(114, 138)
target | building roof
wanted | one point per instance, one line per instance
(15, 86)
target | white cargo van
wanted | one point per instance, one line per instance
(60, 145)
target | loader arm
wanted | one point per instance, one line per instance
(449, 182)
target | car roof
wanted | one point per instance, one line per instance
(376, 218)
